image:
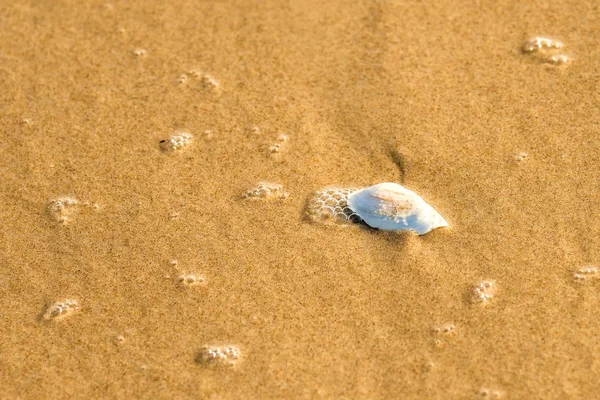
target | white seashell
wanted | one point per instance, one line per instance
(389, 206)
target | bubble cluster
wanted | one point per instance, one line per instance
(208, 81)
(190, 279)
(586, 273)
(558, 59)
(63, 209)
(484, 291)
(545, 50)
(140, 52)
(266, 190)
(485, 393)
(446, 329)
(176, 142)
(218, 355)
(60, 309)
(442, 333)
(537, 44)
(521, 156)
(280, 144)
(331, 205)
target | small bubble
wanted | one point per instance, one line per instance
(558, 59)
(448, 329)
(586, 273)
(140, 52)
(209, 82)
(173, 263)
(120, 339)
(218, 355)
(189, 279)
(255, 130)
(208, 134)
(521, 156)
(63, 209)
(486, 393)
(26, 121)
(61, 309)
(331, 205)
(280, 144)
(176, 142)
(538, 43)
(183, 78)
(545, 50)
(266, 190)
(483, 292)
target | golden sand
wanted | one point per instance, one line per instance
(438, 96)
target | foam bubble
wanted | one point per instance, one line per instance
(486, 393)
(210, 83)
(484, 292)
(545, 50)
(443, 333)
(538, 43)
(190, 279)
(521, 156)
(176, 142)
(280, 144)
(140, 52)
(219, 356)
(266, 190)
(331, 205)
(60, 309)
(182, 79)
(558, 59)
(586, 273)
(63, 209)
(447, 329)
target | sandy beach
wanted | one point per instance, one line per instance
(133, 267)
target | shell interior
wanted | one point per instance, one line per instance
(389, 206)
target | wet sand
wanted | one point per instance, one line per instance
(438, 97)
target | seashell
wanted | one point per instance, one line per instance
(389, 206)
